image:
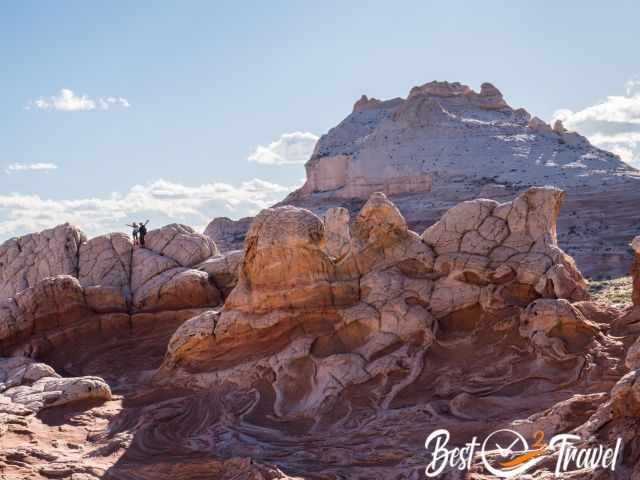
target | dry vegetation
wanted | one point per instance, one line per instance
(616, 292)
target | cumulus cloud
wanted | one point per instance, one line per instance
(290, 148)
(161, 200)
(30, 167)
(67, 101)
(612, 124)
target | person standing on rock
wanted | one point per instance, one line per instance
(135, 232)
(143, 231)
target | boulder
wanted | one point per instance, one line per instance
(106, 261)
(223, 270)
(55, 311)
(381, 238)
(284, 264)
(26, 260)
(36, 386)
(181, 243)
(228, 234)
(175, 289)
(511, 241)
(557, 328)
(192, 338)
(147, 264)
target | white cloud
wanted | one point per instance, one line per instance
(161, 200)
(67, 101)
(290, 148)
(613, 124)
(632, 86)
(31, 167)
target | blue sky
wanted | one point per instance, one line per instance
(117, 111)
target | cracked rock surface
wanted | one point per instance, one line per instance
(327, 348)
(26, 260)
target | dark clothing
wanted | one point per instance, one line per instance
(142, 231)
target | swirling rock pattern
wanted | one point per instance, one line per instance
(342, 342)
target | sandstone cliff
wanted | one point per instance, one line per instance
(444, 132)
(445, 143)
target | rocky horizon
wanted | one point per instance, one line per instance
(445, 143)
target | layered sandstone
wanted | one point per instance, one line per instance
(379, 302)
(444, 132)
(328, 346)
(76, 288)
(635, 271)
(446, 143)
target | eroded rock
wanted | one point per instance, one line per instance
(500, 243)
(337, 232)
(36, 386)
(284, 264)
(181, 243)
(223, 270)
(26, 260)
(228, 234)
(175, 289)
(106, 261)
(323, 323)
(635, 271)
(55, 308)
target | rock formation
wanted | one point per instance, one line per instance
(106, 261)
(77, 288)
(386, 285)
(635, 271)
(446, 143)
(436, 134)
(26, 260)
(29, 387)
(228, 234)
(328, 346)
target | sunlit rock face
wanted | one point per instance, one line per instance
(228, 234)
(106, 260)
(349, 329)
(446, 143)
(27, 385)
(61, 287)
(317, 326)
(26, 260)
(444, 132)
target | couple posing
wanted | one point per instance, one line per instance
(139, 231)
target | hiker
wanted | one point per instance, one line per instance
(135, 232)
(143, 231)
